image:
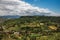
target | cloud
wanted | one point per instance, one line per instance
(9, 0)
(21, 8)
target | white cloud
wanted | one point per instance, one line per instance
(9, 0)
(16, 7)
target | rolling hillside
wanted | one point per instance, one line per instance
(31, 28)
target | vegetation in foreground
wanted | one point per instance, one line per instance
(30, 28)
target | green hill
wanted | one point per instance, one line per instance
(31, 28)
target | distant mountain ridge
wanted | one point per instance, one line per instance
(10, 16)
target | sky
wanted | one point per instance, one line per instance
(30, 7)
(53, 5)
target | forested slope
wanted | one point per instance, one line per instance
(31, 28)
